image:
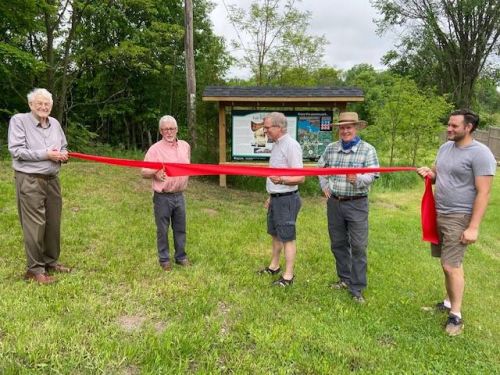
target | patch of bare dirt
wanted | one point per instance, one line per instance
(223, 310)
(160, 327)
(210, 212)
(131, 323)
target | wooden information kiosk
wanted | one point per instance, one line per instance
(275, 99)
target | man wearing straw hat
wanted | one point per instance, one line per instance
(347, 205)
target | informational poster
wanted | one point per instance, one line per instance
(250, 142)
(314, 133)
(312, 129)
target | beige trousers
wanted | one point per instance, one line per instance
(39, 204)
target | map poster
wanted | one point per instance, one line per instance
(314, 133)
(312, 129)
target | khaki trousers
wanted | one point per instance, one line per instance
(39, 204)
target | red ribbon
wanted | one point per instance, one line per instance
(179, 169)
(428, 214)
(428, 209)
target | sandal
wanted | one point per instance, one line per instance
(269, 271)
(283, 282)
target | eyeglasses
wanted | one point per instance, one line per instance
(42, 104)
(168, 129)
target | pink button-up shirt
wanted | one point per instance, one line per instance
(165, 152)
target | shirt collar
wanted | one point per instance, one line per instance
(281, 138)
(171, 144)
(338, 147)
(37, 123)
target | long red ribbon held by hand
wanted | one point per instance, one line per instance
(179, 169)
(428, 210)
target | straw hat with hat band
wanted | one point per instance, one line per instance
(350, 118)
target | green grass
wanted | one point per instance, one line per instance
(118, 313)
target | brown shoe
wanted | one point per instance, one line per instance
(167, 267)
(183, 262)
(58, 267)
(40, 278)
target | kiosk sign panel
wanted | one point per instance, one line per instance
(312, 129)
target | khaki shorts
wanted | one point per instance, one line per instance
(450, 229)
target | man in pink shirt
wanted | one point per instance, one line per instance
(168, 197)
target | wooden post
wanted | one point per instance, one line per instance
(222, 141)
(190, 71)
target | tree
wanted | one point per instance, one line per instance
(407, 120)
(52, 41)
(449, 41)
(272, 36)
(114, 67)
(304, 77)
(18, 67)
(487, 98)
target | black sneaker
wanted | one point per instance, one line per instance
(283, 282)
(454, 325)
(441, 307)
(268, 271)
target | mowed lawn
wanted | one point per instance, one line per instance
(119, 313)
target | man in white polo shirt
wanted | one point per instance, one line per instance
(284, 203)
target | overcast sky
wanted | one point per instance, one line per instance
(347, 25)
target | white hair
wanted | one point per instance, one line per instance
(39, 92)
(277, 119)
(169, 119)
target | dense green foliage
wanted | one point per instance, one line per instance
(118, 313)
(113, 67)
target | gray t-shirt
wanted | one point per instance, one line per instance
(456, 169)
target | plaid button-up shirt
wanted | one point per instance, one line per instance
(361, 155)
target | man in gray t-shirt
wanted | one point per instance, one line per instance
(463, 174)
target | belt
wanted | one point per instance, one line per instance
(274, 195)
(39, 175)
(168, 192)
(348, 198)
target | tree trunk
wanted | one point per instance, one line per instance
(63, 92)
(133, 142)
(127, 133)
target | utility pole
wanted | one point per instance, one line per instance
(190, 70)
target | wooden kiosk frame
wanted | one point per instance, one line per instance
(275, 98)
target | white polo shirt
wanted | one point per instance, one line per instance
(286, 153)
